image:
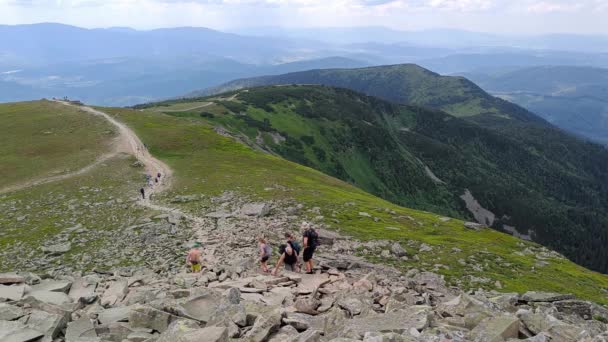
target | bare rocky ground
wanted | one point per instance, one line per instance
(347, 299)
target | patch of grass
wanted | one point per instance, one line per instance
(44, 138)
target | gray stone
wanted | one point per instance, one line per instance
(55, 298)
(118, 314)
(57, 249)
(53, 286)
(264, 325)
(116, 331)
(10, 312)
(80, 329)
(142, 316)
(11, 278)
(496, 329)
(299, 321)
(398, 250)
(139, 336)
(14, 331)
(575, 307)
(417, 317)
(352, 305)
(176, 329)
(310, 336)
(473, 226)
(83, 290)
(533, 296)
(115, 293)
(203, 307)
(12, 292)
(47, 323)
(233, 295)
(256, 209)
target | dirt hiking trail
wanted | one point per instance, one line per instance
(126, 142)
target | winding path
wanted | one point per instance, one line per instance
(126, 142)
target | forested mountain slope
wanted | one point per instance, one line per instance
(548, 185)
(403, 83)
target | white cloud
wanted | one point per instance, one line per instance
(515, 16)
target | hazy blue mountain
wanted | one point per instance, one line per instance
(571, 97)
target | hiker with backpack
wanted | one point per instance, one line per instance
(265, 252)
(289, 257)
(194, 259)
(295, 245)
(311, 241)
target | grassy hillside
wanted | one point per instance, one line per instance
(404, 83)
(572, 98)
(536, 179)
(44, 138)
(208, 164)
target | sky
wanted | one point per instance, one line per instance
(498, 16)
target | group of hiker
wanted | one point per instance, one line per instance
(289, 252)
(150, 184)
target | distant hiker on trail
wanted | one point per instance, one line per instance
(158, 175)
(265, 252)
(311, 241)
(156, 180)
(289, 257)
(194, 259)
(143, 193)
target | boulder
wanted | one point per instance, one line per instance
(310, 336)
(264, 325)
(256, 209)
(53, 286)
(12, 292)
(496, 329)
(115, 293)
(11, 278)
(327, 237)
(417, 317)
(398, 250)
(57, 249)
(83, 290)
(47, 323)
(176, 329)
(143, 316)
(533, 296)
(286, 333)
(14, 331)
(575, 307)
(202, 308)
(80, 330)
(50, 297)
(116, 331)
(118, 314)
(473, 226)
(299, 321)
(307, 305)
(10, 312)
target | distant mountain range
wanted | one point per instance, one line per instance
(571, 97)
(122, 66)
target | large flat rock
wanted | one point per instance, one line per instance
(115, 293)
(11, 278)
(118, 314)
(50, 297)
(14, 331)
(12, 292)
(80, 330)
(10, 312)
(47, 323)
(202, 308)
(83, 290)
(53, 286)
(533, 296)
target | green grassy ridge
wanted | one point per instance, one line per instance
(401, 83)
(207, 163)
(44, 138)
(534, 178)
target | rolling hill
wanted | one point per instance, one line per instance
(526, 174)
(572, 98)
(107, 228)
(404, 83)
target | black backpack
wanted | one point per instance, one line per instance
(313, 237)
